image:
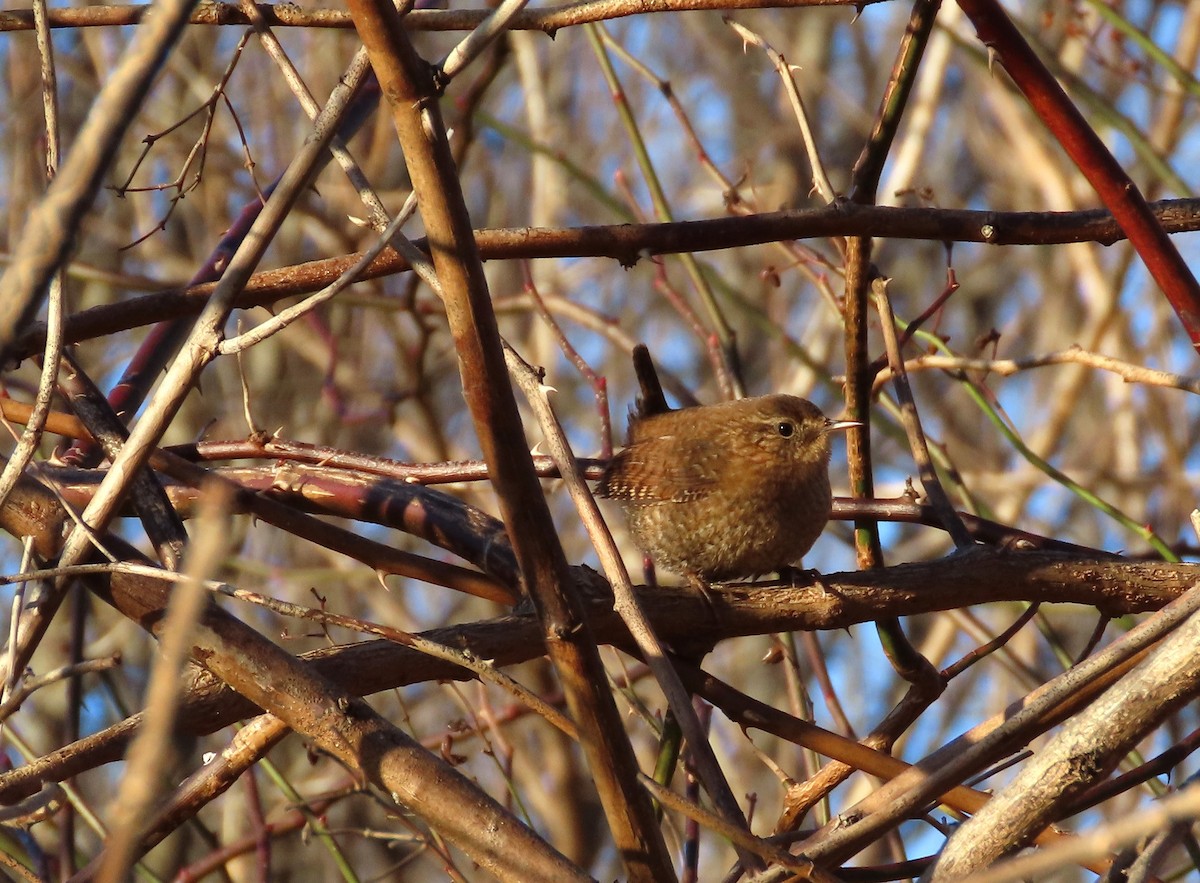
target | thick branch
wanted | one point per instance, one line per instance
(838, 601)
(292, 15)
(627, 243)
(407, 83)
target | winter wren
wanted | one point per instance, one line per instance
(730, 490)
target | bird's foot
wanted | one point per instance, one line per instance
(799, 577)
(698, 583)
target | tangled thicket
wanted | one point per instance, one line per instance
(352, 488)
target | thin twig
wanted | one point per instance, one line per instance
(598, 384)
(912, 423)
(625, 603)
(475, 42)
(24, 689)
(1075, 355)
(25, 448)
(149, 756)
(820, 178)
(483, 668)
(390, 237)
(52, 225)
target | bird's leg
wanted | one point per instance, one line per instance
(697, 582)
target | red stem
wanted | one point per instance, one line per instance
(1088, 152)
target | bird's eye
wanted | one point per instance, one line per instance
(785, 428)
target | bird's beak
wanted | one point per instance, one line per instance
(836, 425)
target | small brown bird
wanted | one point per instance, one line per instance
(730, 490)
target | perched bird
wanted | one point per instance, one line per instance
(722, 491)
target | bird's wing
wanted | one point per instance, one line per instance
(661, 470)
